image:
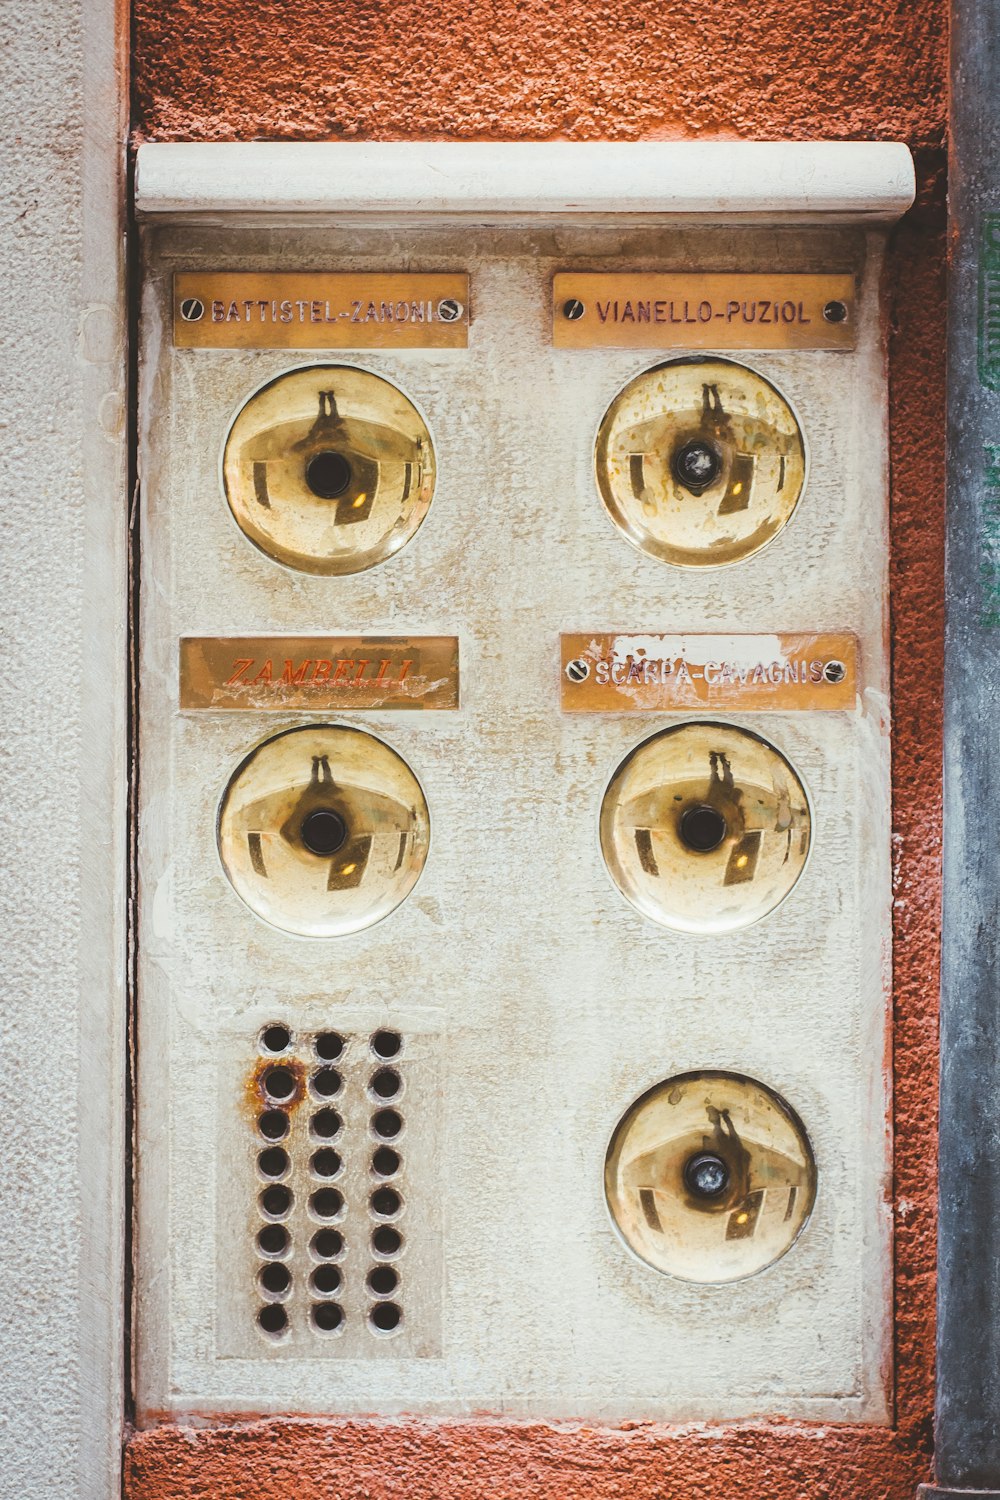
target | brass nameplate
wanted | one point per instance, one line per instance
(646, 673)
(702, 310)
(319, 672)
(320, 310)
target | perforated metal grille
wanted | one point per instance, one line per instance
(332, 1233)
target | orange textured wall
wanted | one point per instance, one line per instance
(632, 69)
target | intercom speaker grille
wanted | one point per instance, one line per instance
(327, 1228)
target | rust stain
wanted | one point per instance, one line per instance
(256, 1096)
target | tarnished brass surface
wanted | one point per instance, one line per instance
(705, 828)
(321, 310)
(329, 469)
(318, 672)
(640, 672)
(720, 1132)
(323, 830)
(703, 310)
(752, 455)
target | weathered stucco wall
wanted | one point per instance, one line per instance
(223, 69)
(62, 819)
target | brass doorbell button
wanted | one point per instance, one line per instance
(705, 828)
(329, 469)
(700, 462)
(323, 830)
(710, 1177)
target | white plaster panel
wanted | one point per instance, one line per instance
(555, 1003)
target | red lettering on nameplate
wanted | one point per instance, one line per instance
(318, 672)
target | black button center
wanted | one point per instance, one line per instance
(323, 831)
(702, 828)
(697, 465)
(328, 474)
(706, 1175)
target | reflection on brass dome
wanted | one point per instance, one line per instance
(323, 830)
(705, 828)
(329, 469)
(709, 1177)
(700, 462)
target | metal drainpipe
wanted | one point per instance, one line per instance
(967, 1419)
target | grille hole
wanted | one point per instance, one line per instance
(387, 1241)
(385, 1202)
(385, 1162)
(386, 1044)
(326, 1083)
(386, 1083)
(329, 1046)
(273, 1124)
(383, 1280)
(273, 1319)
(387, 1124)
(385, 1316)
(325, 1124)
(327, 1244)
(275, 1039)
(326, 1204)
(325, 1280)
(272, 1240)
(275, 1279)
(275, 1202)
(326, 1163)
(326, 1316)
(273, 1162)
(279, 1083)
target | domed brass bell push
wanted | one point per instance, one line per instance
(705, 827)
(700, 462)
(710, 1177)
(323, 830)
(329, 469)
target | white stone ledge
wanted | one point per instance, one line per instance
(707, 181)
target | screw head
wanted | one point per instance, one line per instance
(697, 465)
(835, 671)
(449, 310)
(578, 670)
(835, 312)
(573, 309)
(706, 1175)
(192, 309)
